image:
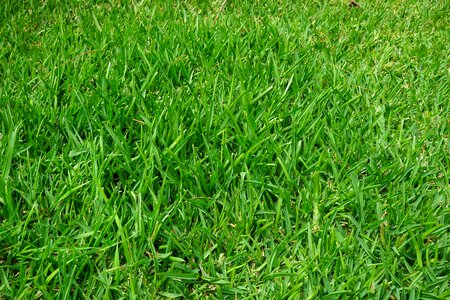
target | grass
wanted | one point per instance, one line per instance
(265, 150)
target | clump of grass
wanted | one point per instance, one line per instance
(259, 150)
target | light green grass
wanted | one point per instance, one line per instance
(271, 150)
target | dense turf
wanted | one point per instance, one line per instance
(237, 149)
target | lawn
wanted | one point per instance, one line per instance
(224, 149)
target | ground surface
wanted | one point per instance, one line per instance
(238, 149)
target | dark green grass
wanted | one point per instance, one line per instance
(269, 150)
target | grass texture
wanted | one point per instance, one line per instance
(224, 149)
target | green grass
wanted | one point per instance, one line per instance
(268, 150)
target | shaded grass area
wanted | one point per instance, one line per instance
(269, 150)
